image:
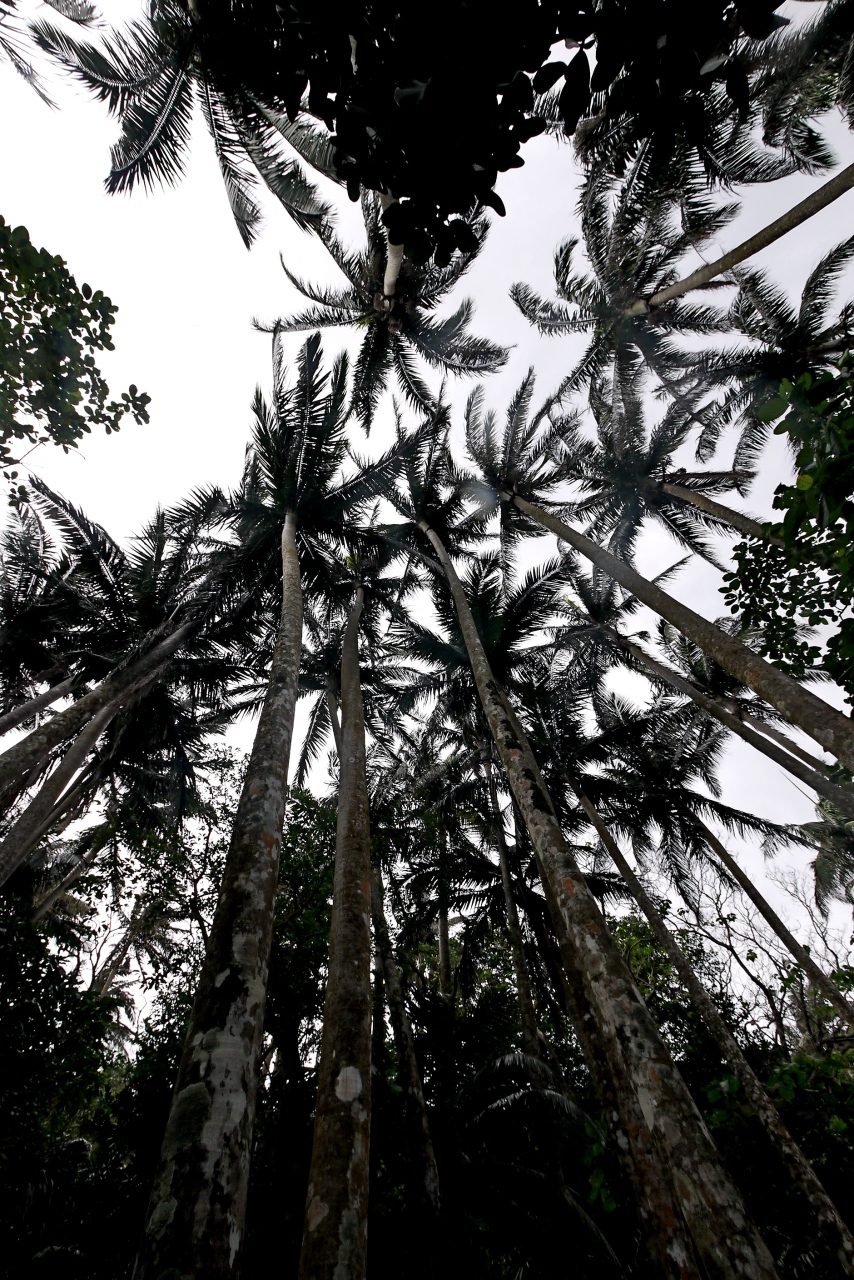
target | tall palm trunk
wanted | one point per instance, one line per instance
(29, 827)
(667, 1241)
(19, 760)
(803, 766)
(197, 1209)
(825, 195)
(799, 953)
(335, 1235)
(33, 706)
(799, 1167)
(524, 995)
(446, 977)
(834, 731)
(410, 1076)
(726, 515)
(726, 1242)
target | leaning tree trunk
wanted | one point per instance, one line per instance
(335, 1234)
(796, 1162)
(726, 1242)
(33, 706)
(667, 1242)
(32, 822)
(197, 1209)
(524, 995)
(725, 515)
(410, 1076)
(446, 977)
(36, 747)
(784, 754)
(834, 731)
(800, 212)
(799, 953)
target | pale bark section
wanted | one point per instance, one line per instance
(197, 1209)
(726, 1242)
(394, 257)
(31, 708)
(32, 822)
(27, 754)
(787, 754)
(834, 731)
(825, 195)
(798, 953)
(796, 1162)
(737, 519)
(410, 1076)
(335, 1234)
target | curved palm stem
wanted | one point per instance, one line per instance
(737, 519)
(812, 773)
(825, 195)
(725, 1240)
(799, 953)
(27, 710)
(799, 1167)
(834, 731)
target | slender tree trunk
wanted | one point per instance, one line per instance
(667, 1241)
(33, 706)
(785, 756)
(725, 1240)
(26, 831)
(796, 1162)
(834, 731)
(37, 746)
(446, 977)
(410, 1076)
(197, 1209)
(788, 744)
(332, 707)
(335, 1235)
(737, 519)
(825, 195)
(799, 953)
(527, 1012)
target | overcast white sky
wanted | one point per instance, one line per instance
(187, 292)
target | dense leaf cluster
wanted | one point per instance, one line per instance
(50, 386)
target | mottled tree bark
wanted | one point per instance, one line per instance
(726, 1242)
(36, 747)
(667, 1242)
(833, 730)
(197, 1210)
(799, 953)
(794, 1159)
(33, 706)
(335, 1234)
(524, 995)
(409, 1075)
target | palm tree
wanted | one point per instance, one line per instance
(398, 330)
(784, 342)
(833, 867)
(516, 470)
(800, 1168)
(709, 1203)
(336, 1218)
(592, 634)
(293, 505)
(16, 37)
(152, 75)
(632, 252)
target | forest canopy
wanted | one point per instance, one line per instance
(471, 962)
